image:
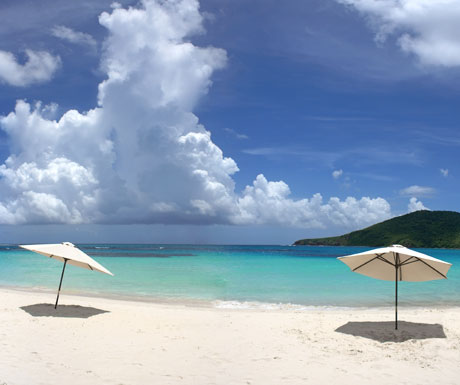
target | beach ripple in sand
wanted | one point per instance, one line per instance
(67, 311)
(385, 331)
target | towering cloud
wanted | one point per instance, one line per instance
(141, 155)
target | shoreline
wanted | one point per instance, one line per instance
(219, 303)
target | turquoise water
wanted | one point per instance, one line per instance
(304, 275)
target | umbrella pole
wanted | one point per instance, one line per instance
(396, 298)
(60, 283)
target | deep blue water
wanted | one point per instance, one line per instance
(305, 275)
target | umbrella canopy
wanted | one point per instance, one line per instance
(412, 265)
(67, 252)
(397, 263)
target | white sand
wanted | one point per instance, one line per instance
(147, 343)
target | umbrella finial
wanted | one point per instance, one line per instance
(68, 244)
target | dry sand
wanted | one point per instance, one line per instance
(105, 341)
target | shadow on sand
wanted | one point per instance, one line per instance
(69, 311)
(385, 331)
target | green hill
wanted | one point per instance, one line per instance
(418, 229)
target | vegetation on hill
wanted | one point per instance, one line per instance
(430, 229)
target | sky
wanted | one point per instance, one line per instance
(224, 121)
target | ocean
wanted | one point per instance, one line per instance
(228, 276)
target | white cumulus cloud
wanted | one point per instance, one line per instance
(39, 67)
(268, 203)
(418, 191)
(429, 29)
(141, 155)
(415, 205)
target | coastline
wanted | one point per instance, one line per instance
(219, 303)
(98, 340)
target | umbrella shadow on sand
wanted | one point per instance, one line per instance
(63, 311)
(385, 331)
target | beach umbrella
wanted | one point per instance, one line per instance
(67, 252)
(397, 263)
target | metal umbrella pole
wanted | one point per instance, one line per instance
(60, 283)
(396, 299)
(396, 290)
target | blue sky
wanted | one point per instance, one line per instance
(224, 121)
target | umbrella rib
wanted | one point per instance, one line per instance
(90, 266)
(431, 267)
(365, 263)
(408, 263)
(384, 260)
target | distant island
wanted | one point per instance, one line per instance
(430, 229)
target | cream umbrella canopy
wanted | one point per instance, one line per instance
(67, 252)
(397, 263)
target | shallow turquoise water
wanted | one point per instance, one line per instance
(304, 275)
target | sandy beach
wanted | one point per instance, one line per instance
(106, 341)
